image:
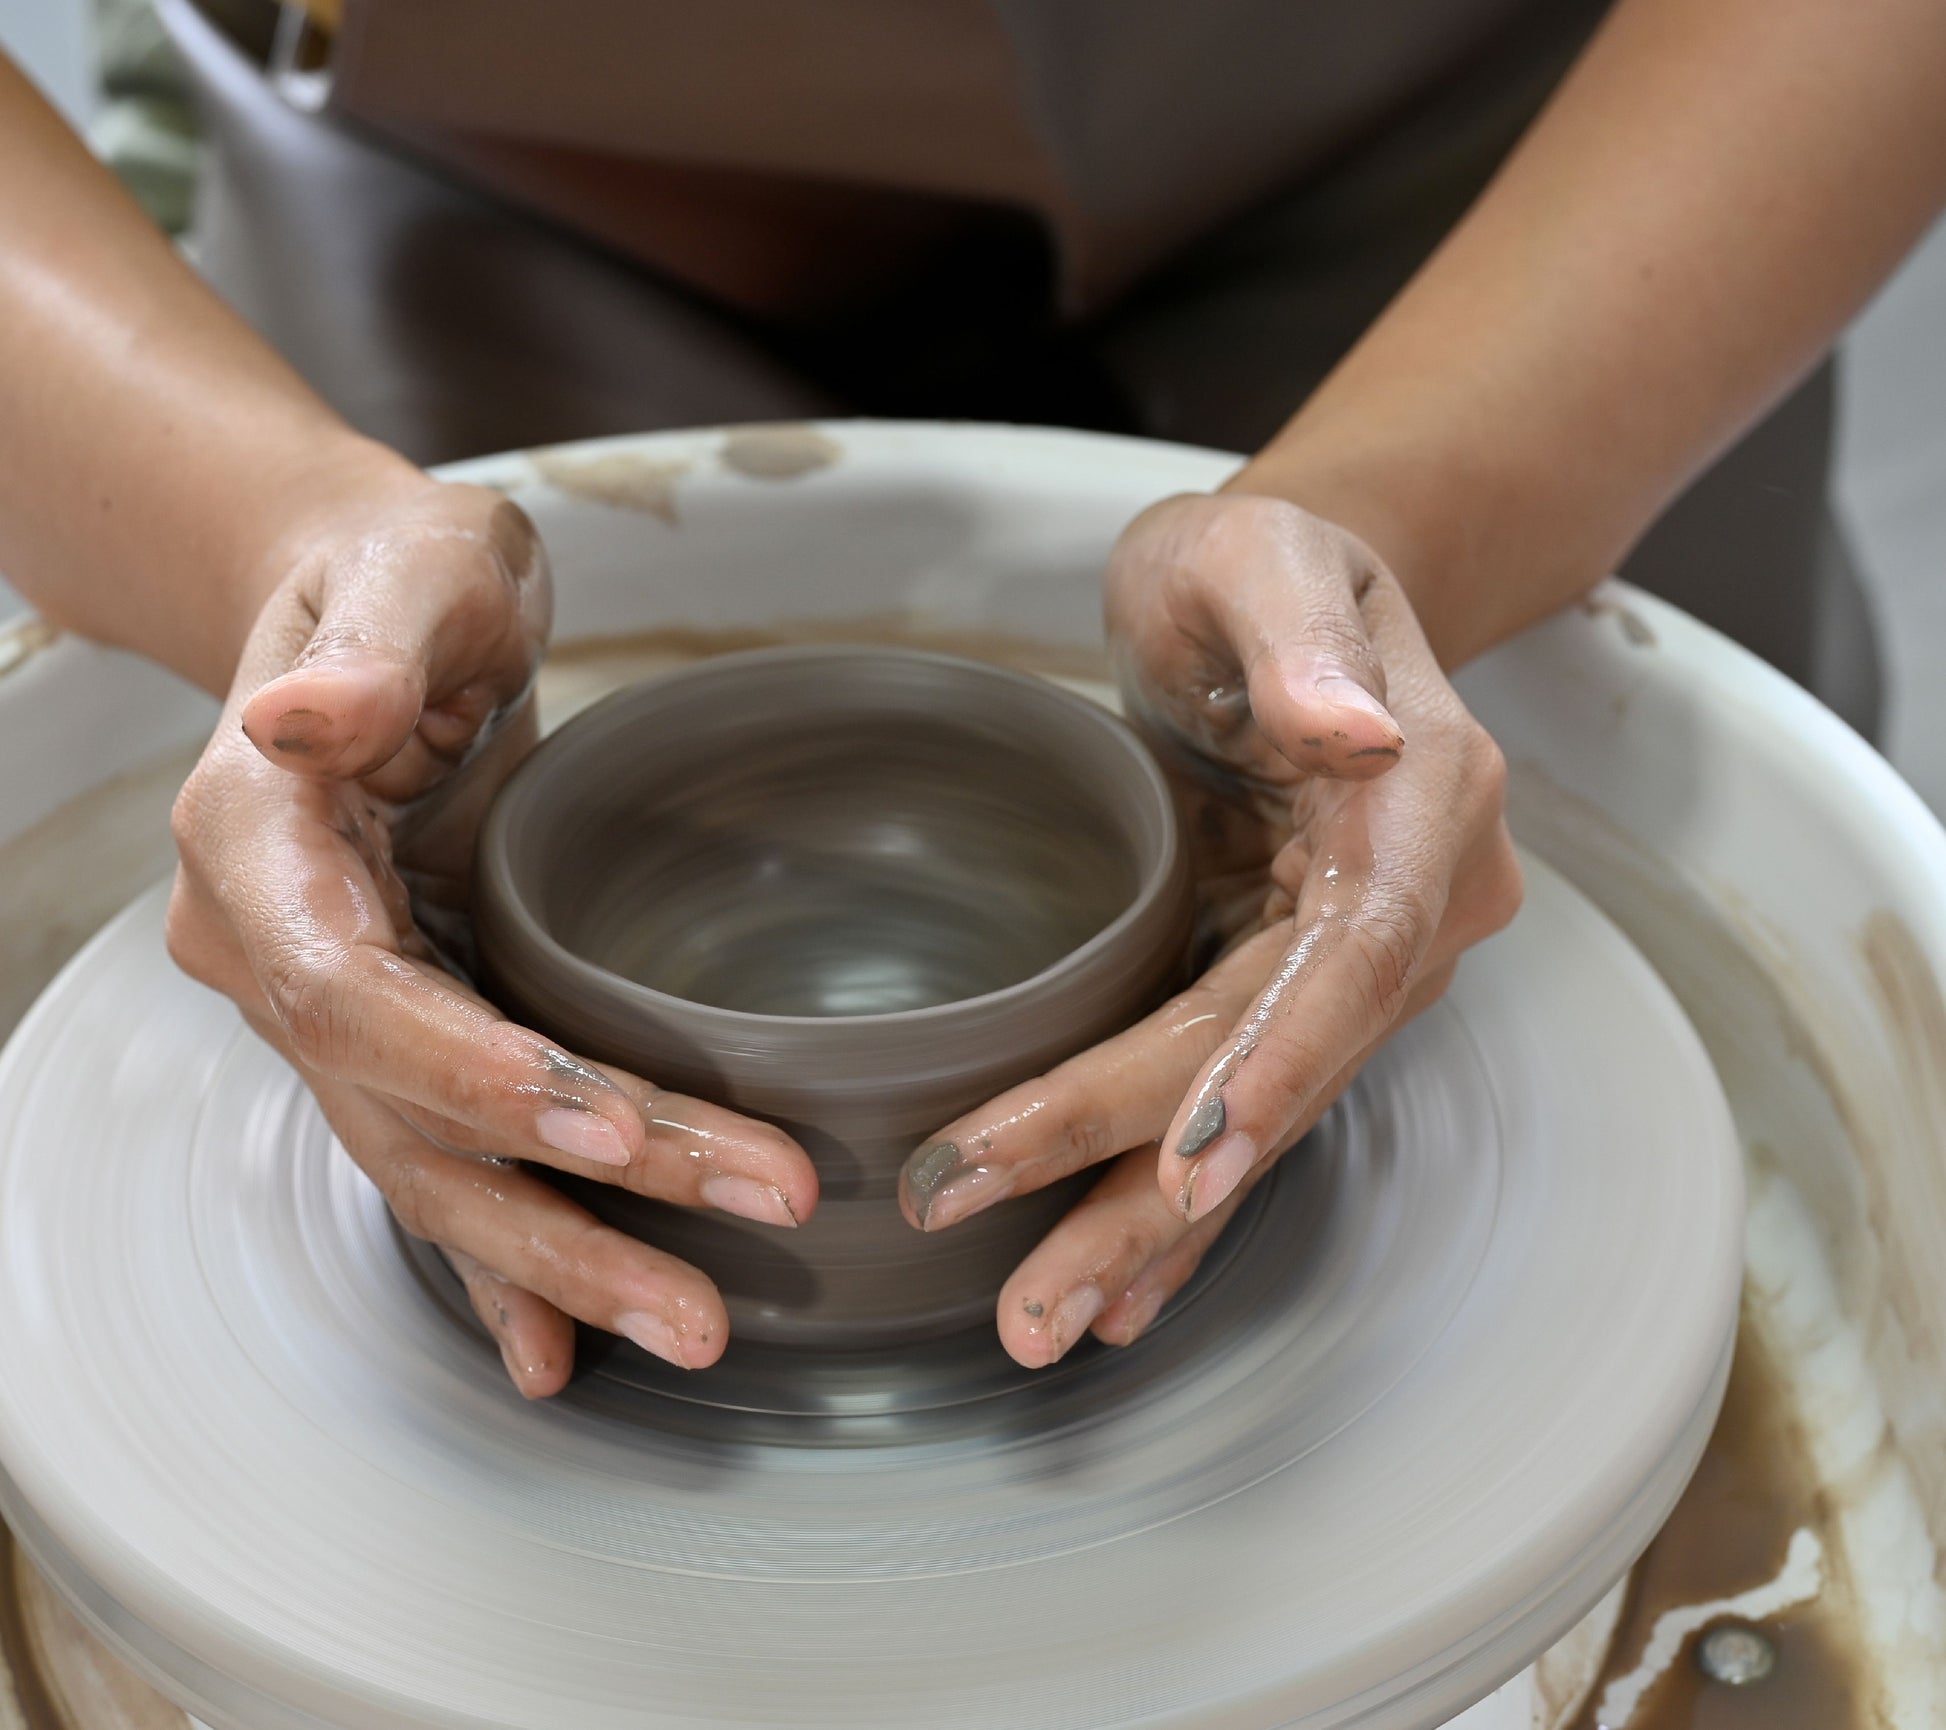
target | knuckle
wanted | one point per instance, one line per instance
(1145, 1239)
(1390, 941)
(1337, 633)
(503, 1071)
(1296, 1064)
(308, 1001)
(414, 1198)
(1489, 768)
(1086, 1137)
(1503, 887)
(188, 813)
(186, 934)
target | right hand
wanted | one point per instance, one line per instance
(326, 845)
(1345, 817)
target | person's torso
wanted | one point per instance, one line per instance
(787, 157)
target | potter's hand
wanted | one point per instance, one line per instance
(1344, 812)
(326, 840)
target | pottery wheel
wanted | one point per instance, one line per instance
(1450, 1376)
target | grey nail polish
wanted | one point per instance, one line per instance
(1205, 1124)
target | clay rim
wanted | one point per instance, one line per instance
(1164, 880)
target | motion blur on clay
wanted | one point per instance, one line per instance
(974, 865)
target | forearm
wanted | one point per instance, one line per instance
(1714, 191)
(154, 453)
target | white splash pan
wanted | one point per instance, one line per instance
(1787, 885)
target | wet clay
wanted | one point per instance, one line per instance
(1754, 1491)
(580, 670)
(855, 891)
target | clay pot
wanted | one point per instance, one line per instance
(853, 891)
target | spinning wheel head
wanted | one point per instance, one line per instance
(1373, 1466)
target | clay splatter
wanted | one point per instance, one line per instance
(779, 453)
(624, 481)
(22, 641)
(1634, 627)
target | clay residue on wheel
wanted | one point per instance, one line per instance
(622, 480)
(780, 451)
(57, 1668)
(1754, 1492)
(1848, 1110)
(21, 641)
(1908, 1184)
(1634, 627)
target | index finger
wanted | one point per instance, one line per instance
(1114, 1096)
(1362, 932)
(301, 921)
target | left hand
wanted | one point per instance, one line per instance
(1346, 818)
(326, 842)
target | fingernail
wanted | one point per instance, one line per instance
(748, 1199)
(1074, 1315)
(652, 1334)
(295, 731)
(1205, 1124)
(585, 1134)
(1343, 693)
(977, 1187)
(1141, 1317)
(926, 1173)
(1218, 1173)
(943, 1188)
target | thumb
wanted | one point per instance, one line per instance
(347, 710)
(1315, 679)
(419, 608)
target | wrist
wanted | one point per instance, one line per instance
(1482, 545)
(1373, 496)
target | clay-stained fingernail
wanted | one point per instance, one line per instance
(295, 732)
(653, 1335)
(1074, 1315)
(942, 1185)
(585, 1134)
(927, 1172)
(748, 1199)
(1218, 1173)
(1205, 1124)
(976, 1187)
(1343, 693)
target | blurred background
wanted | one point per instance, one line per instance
(99, 61)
